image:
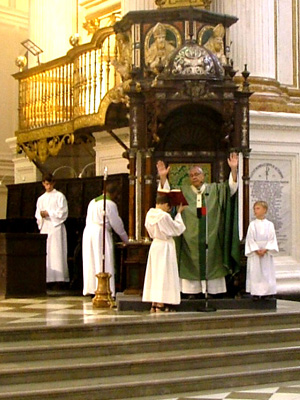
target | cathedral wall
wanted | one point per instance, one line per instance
(275, 178)
(109, 152)
(51, 25)
(13, 30)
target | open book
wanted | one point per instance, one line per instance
(175, 195)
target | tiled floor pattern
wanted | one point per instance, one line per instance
(284, 392)
(61, 310)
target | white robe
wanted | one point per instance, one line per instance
(261, 279)
(161, 282)
(92, 243)
(56, 205)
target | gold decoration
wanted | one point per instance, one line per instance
(92, 25)
(117, 95)
(43, 148)
(182, 3)
(21, 62)
(123, 64)
(46, 132)
(75, 40)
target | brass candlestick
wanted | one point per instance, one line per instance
(103, 297)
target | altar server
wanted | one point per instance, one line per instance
(161, 285)
(261, 245)
(92, 241)
(51, 213)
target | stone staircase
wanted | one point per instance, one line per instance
(154, 356)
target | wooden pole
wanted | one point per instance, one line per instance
(132, 185)
(148, 189)
(104, 219)
(103, 297)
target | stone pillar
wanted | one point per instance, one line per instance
(51, 25)
(135, 5)
(260, 41)
(253, 36)
(287, 34)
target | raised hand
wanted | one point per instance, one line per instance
(233, 162)
(162, 170)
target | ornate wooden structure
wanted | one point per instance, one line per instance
(184, 105)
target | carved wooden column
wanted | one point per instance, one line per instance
(132, 185)
(137, 144)
(246, 190)
(148, 188)
(241, 143)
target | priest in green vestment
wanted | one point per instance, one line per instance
(209, 248)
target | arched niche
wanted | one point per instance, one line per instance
(194, 134)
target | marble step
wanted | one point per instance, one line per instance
(188, 359)
(161, 383)
(159, 323)
(147, 343)
(144, 343)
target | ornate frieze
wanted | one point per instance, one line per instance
(182, 3)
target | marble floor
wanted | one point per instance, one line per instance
(62, 309)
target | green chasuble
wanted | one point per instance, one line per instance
(101, 197)
(223, 242)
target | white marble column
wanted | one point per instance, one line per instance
(287, 34)
(135, 5)
(51, 25)
(253, 36)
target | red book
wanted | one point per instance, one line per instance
(175, 195)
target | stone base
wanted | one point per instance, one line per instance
(134, 303)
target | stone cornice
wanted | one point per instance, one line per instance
(14, 17)
(276, 122)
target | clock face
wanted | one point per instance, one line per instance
(270, 182)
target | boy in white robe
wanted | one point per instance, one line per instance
(92, 240)
(51, 213)
(261, 245)
(161, 284)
